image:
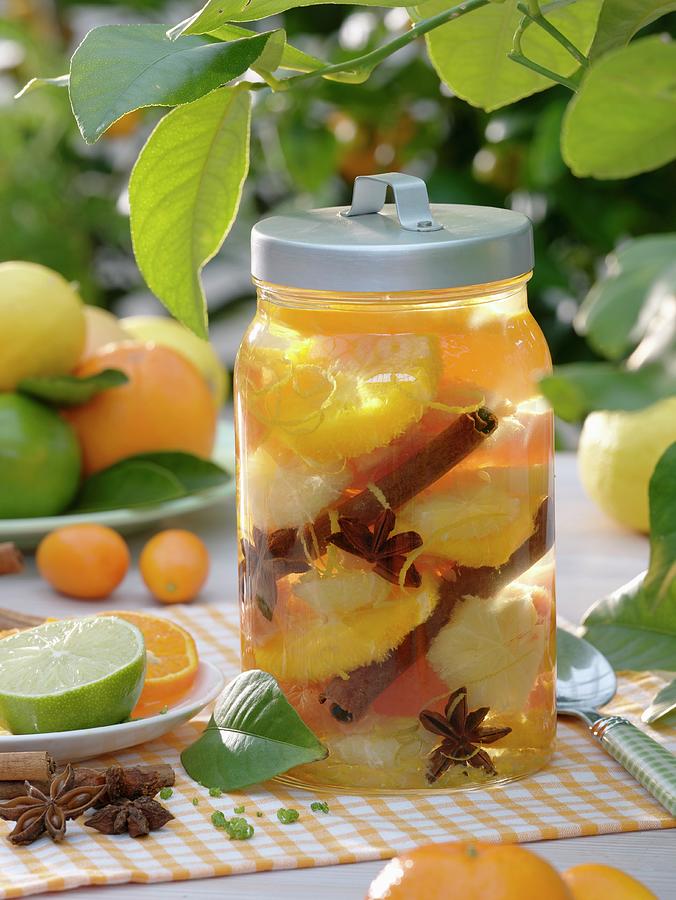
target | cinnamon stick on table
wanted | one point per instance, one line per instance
(131, 783)
(350, 697)
(33, 765)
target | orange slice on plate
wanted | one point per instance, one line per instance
(171, 664)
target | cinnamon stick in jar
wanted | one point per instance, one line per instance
(31, 765)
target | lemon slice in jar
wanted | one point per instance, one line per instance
(330, 398)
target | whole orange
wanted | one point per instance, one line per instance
(86, 562)
(471, 870)
(174, 565)
(165, 405)
(591, 881)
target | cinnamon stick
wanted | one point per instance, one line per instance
(351, 697)
(409, 478)
(126, 783)
(32, 765)
(11, 559)
(9, 619)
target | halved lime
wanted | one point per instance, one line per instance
(79, 673)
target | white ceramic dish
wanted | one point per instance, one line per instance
(27, 533)
(73, 746)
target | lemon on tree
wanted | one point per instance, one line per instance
(170, 333)
(78, 673)
(101, 328)
(39, 459)
(617, 454)
(42, 324)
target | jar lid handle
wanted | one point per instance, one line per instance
(410, 199)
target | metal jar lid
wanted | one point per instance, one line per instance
(405, 246)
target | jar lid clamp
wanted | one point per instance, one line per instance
(374, 247)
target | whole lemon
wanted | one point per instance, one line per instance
(617, 454)
(101, 328)
(42, 325)
(169, 333)
(39, 459)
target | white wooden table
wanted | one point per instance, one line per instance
(594, 557)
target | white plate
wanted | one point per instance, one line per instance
(73, 746)
(27, 533)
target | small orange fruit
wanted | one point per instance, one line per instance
(171, 661)
(86, 562)
(174, 565)
(468, 869)
(166, 405)
(593, 880)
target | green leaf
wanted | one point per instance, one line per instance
(35, 83)
(261, 9)
(184, 195)
(663, 703)
(253, 735)
(212, 14)
(623, 119)
(635, 627)
(69, 390)
(119, 68)
(576, 389)
(620, 20)
(125, 485)
(470, 52)
(610, 312)
(194, 473)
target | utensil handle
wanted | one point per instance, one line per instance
(652, 765)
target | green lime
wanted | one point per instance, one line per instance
(39, 459)
(78, 673)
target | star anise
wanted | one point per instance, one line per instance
(270, 557)
(36, 812)
(138, 817)
(376, 546)
(463, 736)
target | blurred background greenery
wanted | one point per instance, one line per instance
(64, 204)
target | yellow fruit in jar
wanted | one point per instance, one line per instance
(332, 398)
(42, 324)
(319, 651)
(477, 517)
(492, 646)
(617, 454)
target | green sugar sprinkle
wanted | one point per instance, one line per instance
(239, 809)
(259, 815)
(164, 710)
(287, 816)
(195, 801)
(319, 806)
(215, 792)
(218, 819)
(166, 793)
(237, 828)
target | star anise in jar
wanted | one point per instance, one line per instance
(37, 813)
(137, 817)
(463, 736)
(388, 554)
(271, 556)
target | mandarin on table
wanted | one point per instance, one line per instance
(591, 881)
(174, 565)
(86, 562)
(469, 870)
(171, 661)
(166, 405)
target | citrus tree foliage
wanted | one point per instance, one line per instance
(185, 188)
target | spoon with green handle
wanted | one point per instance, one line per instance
(585, 681)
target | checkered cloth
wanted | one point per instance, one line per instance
(581, 792)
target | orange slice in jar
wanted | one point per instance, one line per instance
(171, 661)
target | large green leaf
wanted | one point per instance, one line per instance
(623, 119)
(253, 735)
(69, 390)
(261, 9)
(184, 195)
(635, 627)
(610, 312)
(470, 52)
(212, 14)
(621, 19)
(118, 68)
(576, 389)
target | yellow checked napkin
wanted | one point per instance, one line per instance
(582, 792)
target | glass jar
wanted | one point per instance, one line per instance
(395, 491)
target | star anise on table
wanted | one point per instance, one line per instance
(463, 736)
(36, 812)
(376, 546)
(137, 817)
(271, 556)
